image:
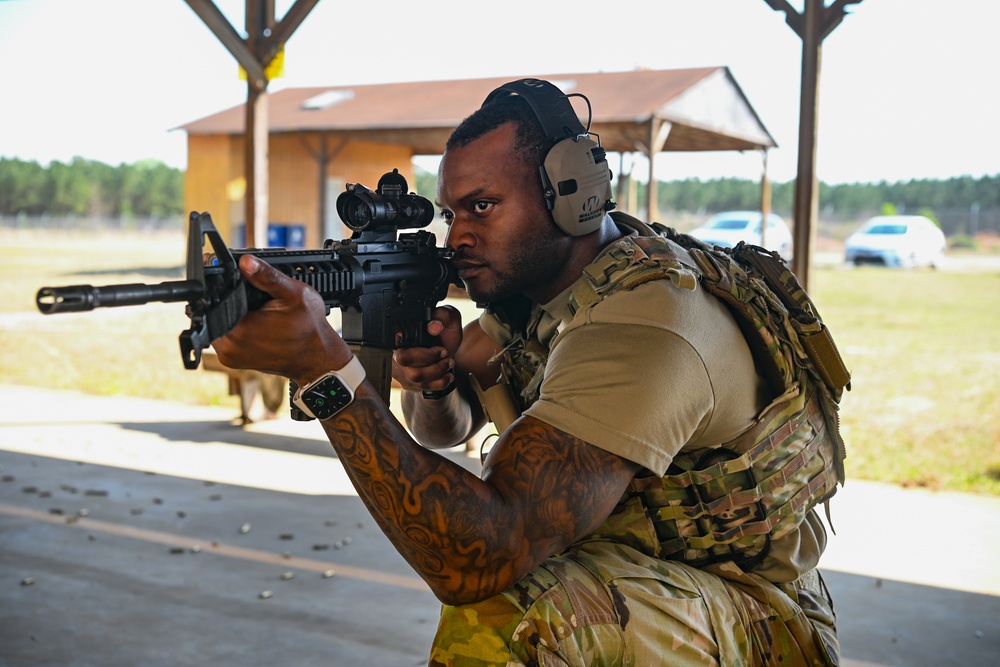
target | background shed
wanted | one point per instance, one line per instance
(321, 138)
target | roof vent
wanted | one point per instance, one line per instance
(328, 99)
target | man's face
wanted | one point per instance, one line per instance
(499, 228)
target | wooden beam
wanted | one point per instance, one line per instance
(282, 32)
(792, 17)
(833, 15)
(216, 21)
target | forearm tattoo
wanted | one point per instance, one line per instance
(471, 538)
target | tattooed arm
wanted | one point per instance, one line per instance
(469, 538)
(472, 538)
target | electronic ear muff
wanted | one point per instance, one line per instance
(576, 180)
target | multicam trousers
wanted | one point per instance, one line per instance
(603, 603)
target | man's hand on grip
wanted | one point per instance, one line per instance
(431, 368)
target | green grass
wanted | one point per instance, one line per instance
(923, 348)
(121, 351)
(924, 351)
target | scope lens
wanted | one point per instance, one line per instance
(362, 209)
(359, 214)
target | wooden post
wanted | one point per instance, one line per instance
(264, 39)
(323, 155)
(813, 25)
(255, 167)
(259, 22)
(806, 183)
(658, 132)
(765, 199)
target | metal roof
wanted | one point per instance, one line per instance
(705, 106)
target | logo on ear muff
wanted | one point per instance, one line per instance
(576, 180)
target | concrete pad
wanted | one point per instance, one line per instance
(144, 532)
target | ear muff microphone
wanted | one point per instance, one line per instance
(576, 180)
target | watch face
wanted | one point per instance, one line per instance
(327, 398)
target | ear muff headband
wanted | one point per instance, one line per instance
(551, 107)
(575, 176)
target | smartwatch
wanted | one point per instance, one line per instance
(330, 393)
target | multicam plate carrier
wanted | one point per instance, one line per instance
(725, 503)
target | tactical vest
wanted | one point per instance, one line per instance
(722, 503)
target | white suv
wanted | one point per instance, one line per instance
(729, 228)
(902, 241)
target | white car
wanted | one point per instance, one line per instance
(729, 228)
(901, 241)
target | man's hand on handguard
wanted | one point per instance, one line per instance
(289, 335)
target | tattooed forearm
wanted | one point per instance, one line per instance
(470, 538)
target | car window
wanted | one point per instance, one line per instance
(887, 229)
(729, 223)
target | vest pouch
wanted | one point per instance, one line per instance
(497, 403)
(823, 352)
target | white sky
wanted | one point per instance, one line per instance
(908, 88)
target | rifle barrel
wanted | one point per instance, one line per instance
(78, 298)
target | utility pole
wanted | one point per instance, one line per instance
(812, 25)
(264, 39)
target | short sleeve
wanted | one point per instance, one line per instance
(638, 391)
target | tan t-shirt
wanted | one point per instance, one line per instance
(648, 372)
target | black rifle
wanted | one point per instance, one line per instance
(385, 284)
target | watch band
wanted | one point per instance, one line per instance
(440, 393)
(348, 378)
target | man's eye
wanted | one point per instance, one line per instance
(448, 217)
(482, 206)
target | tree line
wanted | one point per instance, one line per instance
(845, 201)
(152, 189)
(146, 189)
(730, 194)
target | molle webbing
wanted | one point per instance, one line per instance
(627, 265)
(780, 324)
(726, 503)
(732, 508)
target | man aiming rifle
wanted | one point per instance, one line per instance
(630, 512)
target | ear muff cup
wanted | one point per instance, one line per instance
(575, 175)
(577, 185)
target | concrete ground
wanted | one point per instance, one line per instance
(136, 532)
